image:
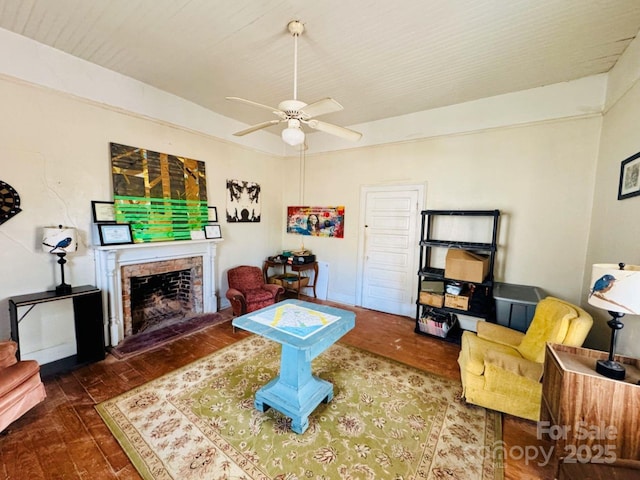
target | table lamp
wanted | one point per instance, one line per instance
(615, 288)
(60, 241)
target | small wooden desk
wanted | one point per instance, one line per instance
(304, 330)
(294, 268)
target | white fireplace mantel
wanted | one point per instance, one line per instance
(110, 258)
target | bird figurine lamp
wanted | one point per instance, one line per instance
(615, 288)
(60, 241)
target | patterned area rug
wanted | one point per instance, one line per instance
(148, 340)
(386, 421)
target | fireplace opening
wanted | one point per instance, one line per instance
(158, 293)
(159, 298)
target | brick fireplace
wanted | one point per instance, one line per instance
(146, 284)
(156, 292)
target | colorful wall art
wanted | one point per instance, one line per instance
(243, 201)
(316, 221)
(163, 197)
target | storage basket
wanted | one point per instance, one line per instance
(437, 324)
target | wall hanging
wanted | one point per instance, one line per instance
(629, 185)
(163, 197)
(9, 202)
(316, 221)
(243, 201)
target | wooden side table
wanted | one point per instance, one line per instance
(618, 470)
(591, 418)
(303, 267)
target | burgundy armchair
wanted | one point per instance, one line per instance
(20, 385)
(247, 290)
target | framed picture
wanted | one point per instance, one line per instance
(115, 233)
(213, 214)
(103, 212)
(629, 177)
(212, 231)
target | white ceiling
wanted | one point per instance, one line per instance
(378, 58)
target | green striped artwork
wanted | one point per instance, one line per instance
(163, 197)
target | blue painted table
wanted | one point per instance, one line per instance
(304, 330)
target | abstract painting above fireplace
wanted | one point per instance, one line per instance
(163, 197)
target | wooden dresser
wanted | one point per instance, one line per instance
(591, 418)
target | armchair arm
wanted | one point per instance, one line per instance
(8, 349)
(238, 302)
(274, 289)
(499, 334)
(517, 365)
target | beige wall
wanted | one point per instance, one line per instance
(54, 150)
(615, 229)
(540, 176)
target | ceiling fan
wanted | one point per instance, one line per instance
(297, 113)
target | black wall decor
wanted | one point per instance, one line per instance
(9, 202)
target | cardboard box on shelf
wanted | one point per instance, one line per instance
(290, 282)
(431, 286)
(461, 302)
(433, 299)
(465, 265)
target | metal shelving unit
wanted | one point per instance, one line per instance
(484, 306)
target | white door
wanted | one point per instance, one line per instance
(389, 269)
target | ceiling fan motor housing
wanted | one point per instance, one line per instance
(292, 107)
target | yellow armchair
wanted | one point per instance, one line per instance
(501, 368)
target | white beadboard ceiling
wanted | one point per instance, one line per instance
(378, 58)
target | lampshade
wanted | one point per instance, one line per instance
(615, 290)
(59, 239)
(293, 134)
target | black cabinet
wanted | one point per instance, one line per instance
(87, 312)
(441, 319)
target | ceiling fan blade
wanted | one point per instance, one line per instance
(321, 107)
(253, 128)
(335, 130)
(273, 110)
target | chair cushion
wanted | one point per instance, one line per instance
(258, 298)
(550, 324)
(519, 366)
(16, 374)
(8, 350)
(473, 350)
(257, 295)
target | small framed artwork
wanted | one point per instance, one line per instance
(115, 233)
(629, 177)
(213, 214)
(103, 212)
(212, 231)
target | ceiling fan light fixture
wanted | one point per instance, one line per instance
(293, 134)
(294, 111)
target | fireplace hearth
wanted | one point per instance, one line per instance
(120, 266)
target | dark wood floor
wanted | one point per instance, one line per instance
(64, 438)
